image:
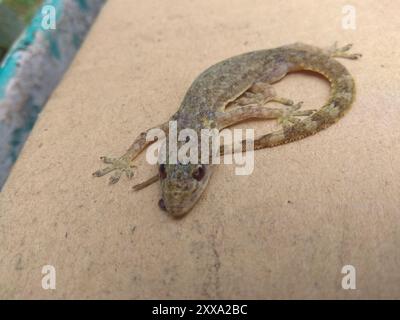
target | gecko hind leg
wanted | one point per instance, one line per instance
(251, 104)
(260, 93)
(285, 116)
(342, 52)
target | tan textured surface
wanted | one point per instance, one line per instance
(284, 232)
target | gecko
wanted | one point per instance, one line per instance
(244, 83)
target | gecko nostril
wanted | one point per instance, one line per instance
(161, 204)
(162, 171)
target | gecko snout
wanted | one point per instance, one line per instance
(177, 198)
(182, 186)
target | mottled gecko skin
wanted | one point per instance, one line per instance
(244, 82)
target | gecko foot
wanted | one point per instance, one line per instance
(119, 165)
(290, 114)
(342, 52)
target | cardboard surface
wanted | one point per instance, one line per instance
(286, 231)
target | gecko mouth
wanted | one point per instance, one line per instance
(177, 211)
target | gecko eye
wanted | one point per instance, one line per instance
(162, 172)
(199, 173)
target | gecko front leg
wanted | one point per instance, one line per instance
(286, 118)
(124, 164)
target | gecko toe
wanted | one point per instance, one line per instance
(102, 172)
(354, 56)
(347, 47)
(297, 106)
(115, 178)
(129, 173)
(342, 52)
(107, 160)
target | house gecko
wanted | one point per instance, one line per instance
(243, 82)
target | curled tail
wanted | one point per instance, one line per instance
(304, 57)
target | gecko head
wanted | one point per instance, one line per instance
(181, 186)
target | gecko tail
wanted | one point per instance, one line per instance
(342, 95)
